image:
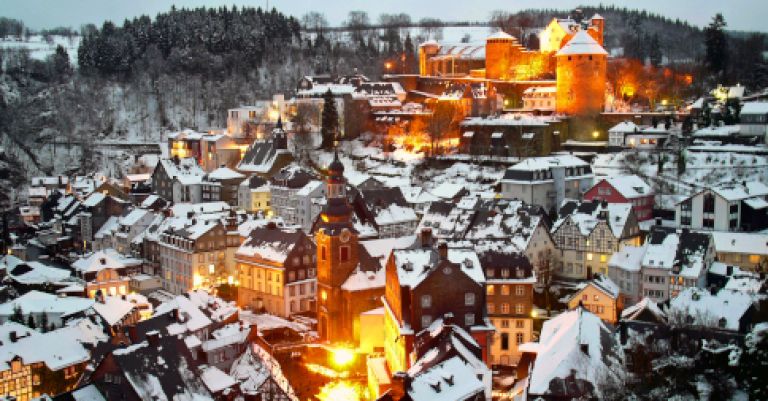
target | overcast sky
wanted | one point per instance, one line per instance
(739, 14)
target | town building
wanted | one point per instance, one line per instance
(107, 272)
(624, 269)
(556, 365)
(276, 270)
(349, 280)
(625, 189)
(427, 283)
(181, 180)
(229, 181)
(547, 181)
(291, 191)
(265, 157)
(588, 233)
(753, 119)
(509, 286)
(254, 195)
(725, 207)
(600, 296)
(748, 251)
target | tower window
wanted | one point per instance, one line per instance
(344, 253)
(323, 255)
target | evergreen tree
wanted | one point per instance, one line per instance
(31, 322)
(330, 121)
(44, 325)
(681, 163)
(18, 315)
(717, 45)
(61, 66)
(654, 50)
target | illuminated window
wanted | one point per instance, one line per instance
(504, 290)
(603, 258)
(505, 308)
(754, 258)
(519, 290)
(589, 256)
(491, 308)
(344, 253)
(490, 289)
(323, 253)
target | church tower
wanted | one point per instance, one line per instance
(337, 247)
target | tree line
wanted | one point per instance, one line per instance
(201, 40)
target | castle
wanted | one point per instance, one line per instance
(571, 51)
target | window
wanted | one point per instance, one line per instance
(708, 223)
(323, 253)
(489, 272)
(754, 258)
(709, 203)
(489, 289)
(685, 220)
(589, 255)
(504, 341)
(505, 273)
(469, 298)
(469, 319)
(519, 338)
(603, 258)
(686, 205)
(504, 290)
(491, 308)
(519, 290)
(734, 207)
(505, 324)
(519, 309)
(596, 298)
(426, 320)
(426, 301)
(520, 324)
(344, 253)
(505, 308)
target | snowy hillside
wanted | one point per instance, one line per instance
(40, 49)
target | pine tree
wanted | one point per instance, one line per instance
(330, 121)
(31, 322)
(18, 315)
(44, 326)
(61, 66)
(717, 45)
(654, 50)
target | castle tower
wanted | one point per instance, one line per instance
(337, 246)
(581, 76)
(597, 25)
(499, 49)
(279, 137)
(427, 50)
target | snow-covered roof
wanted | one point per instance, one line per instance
(709, 310)
(104, 259)
(447, 190)
(575, 343)
(224, 173)
(548, 162)
(381, 248)
(740, 191)
(733, 242)
(632, 312)
(602, 283)
(52, 349)
(754, 108)
(34, 273)
(630, 258)
(361, 280)
(94, 199)
(133, 217)
(149, 200)
(500, 35)
(187, 172)
(629, 186)
(508, 120)
(40, 302)
(114, 309)
(414, 265)
(662, 255)
(394, 214)
(451, 380)
(216, 380)
(587, 217)
(582, 43)
(255, 368)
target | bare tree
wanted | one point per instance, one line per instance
(444, 116)
(303, 121)
(314, 20)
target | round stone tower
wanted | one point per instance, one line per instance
(581, 76)
(499, 49)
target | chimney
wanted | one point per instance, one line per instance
(658, 221)
(713, 290)
(400, 384)
(442, 250)
(426, 237)
(13, 336)
(272, 226)
(153, 338)
(729, 270)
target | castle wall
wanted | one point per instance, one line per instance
(581, 84)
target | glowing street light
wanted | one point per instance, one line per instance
(388, 65)
(342, 357)
(595, 134)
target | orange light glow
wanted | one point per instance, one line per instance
(341, 391)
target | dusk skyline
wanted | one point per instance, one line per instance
(39, 14)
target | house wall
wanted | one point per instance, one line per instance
(597, 302)
(722, 218)
(628, 282)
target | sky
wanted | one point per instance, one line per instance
(739, 14)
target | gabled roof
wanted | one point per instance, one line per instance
(629, 186)
(582, 43)
(104, 259)
(587, 216)
(271, 243)
(415, 265)
(709, 310)
(574, 351)
(644, 310)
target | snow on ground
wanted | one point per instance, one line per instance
(40, 49)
